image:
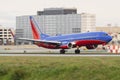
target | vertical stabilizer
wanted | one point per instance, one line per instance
(36, 31)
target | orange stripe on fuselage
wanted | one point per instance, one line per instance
(34, 31)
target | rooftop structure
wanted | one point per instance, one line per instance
(57, 11)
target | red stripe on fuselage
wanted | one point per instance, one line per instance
(78, 43)
(49, 46)
(89, 42)
(84, 43)
(34, 31)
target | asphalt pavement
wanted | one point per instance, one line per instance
(62, 55)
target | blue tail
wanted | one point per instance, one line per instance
(36, 29)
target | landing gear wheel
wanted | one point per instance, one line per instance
(62, 51)
(77, 51)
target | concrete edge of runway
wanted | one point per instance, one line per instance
(53, 53)
(45, 52)
(61, 55)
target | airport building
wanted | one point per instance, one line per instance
(55, 21)
(6, 37)
(108, 29)
(88, 22)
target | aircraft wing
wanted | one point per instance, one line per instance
(41, 41)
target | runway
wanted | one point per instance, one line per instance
(64, 55)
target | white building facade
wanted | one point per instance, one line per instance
(88, 22)
(6, 37)
(62, 22)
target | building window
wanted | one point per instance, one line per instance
(5, 35)
(75, 30)
(5, 32)
(19, 43)
(5, 29)
(9, 32)
(26, 43)
(9, 35)
(0, 32)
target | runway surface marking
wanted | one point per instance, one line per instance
(57, 55)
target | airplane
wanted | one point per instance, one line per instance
(67, 41)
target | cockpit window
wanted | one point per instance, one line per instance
(105, 34)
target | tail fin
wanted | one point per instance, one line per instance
(37, 33)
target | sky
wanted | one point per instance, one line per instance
(106, 11)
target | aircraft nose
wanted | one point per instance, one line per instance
(109, 38)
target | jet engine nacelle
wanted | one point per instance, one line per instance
(71, 45)
(91, 46)
(68, 45)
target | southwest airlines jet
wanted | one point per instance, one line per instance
(89, 39)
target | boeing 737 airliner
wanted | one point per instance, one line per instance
(89, 39)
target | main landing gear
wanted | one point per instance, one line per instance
(77, 51)
(62, 51)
